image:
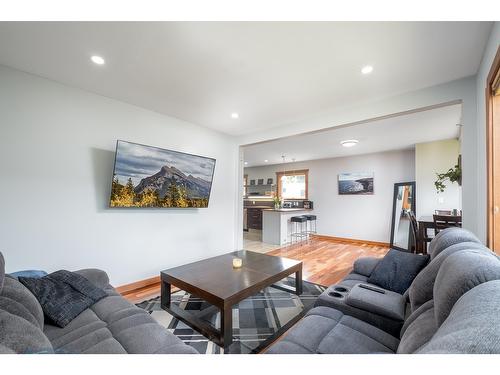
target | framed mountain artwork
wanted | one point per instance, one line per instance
(147, 176)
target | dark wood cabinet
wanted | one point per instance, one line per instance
(254, 218)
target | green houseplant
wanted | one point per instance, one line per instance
(453, 175)
(277, 202)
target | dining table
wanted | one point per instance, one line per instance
(425, 223)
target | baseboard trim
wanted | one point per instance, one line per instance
(132, 287)
(350, 240)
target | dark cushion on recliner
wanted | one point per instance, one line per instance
(397, 270)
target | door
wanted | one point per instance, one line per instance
(493, 153)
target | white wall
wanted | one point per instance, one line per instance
(56, 162)
(481, 199)
(363, 217)
(432, 158)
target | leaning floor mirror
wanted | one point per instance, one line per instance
(402, 236)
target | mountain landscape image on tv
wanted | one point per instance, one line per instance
(147, 176)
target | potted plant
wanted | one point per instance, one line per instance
(453, 175)
(277, 202)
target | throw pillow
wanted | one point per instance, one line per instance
(29, 273)
(63, 295)
(397, 270)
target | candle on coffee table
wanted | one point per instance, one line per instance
(237, 262)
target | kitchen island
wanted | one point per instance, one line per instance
(276, 225)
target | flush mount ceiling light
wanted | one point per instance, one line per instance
(265, 161)
(97, 60)
(246, 163)
(367, 69)
(235, 115)
(349, 142)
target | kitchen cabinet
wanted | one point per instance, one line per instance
(254, 218)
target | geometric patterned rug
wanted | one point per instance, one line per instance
(257, 321)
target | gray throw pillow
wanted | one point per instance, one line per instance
(63, 295)
(397, 270)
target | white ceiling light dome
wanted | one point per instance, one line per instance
(349, 142)
(97, 60)
(367, 69)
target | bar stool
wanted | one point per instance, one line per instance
(310, 224)
(299, 228)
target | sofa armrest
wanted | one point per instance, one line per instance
(365, 266)
(377, 300)
(97, 277)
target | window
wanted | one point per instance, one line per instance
(292, 184)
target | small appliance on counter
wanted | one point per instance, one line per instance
(308, 204)
(287, 204)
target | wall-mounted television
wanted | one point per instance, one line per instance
(147, 176)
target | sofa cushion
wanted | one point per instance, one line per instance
(459, 273)
(420, 329)
(365, 265)
(114, 325)
(328, 331)
(448, 237)
(97, 277)
(18, 300)
(415, 314)
(473, 325)
(397, 270)
(20, 336)
(422, 288)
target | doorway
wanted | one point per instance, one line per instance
(493, 153)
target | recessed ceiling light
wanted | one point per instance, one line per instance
(235, 115)
(265, 161)
(246, 163)
(349, 142)
(97, 60)
(367, 69)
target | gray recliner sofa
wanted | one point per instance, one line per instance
(453, 306)
(387, 310)
(112, 325)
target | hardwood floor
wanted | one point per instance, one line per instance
(325, 262)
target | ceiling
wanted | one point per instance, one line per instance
(271, 73)
(395, 133)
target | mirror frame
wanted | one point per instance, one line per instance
(413, 208)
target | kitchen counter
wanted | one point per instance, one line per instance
(276, 225)
(295, 209)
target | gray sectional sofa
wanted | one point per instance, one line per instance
(451, 307)
(112, 325)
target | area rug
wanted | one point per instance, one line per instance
(257, 321)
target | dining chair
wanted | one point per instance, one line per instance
(420, 241)
(443, 212)
(446, 221)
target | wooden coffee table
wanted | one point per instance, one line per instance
(218, 283)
